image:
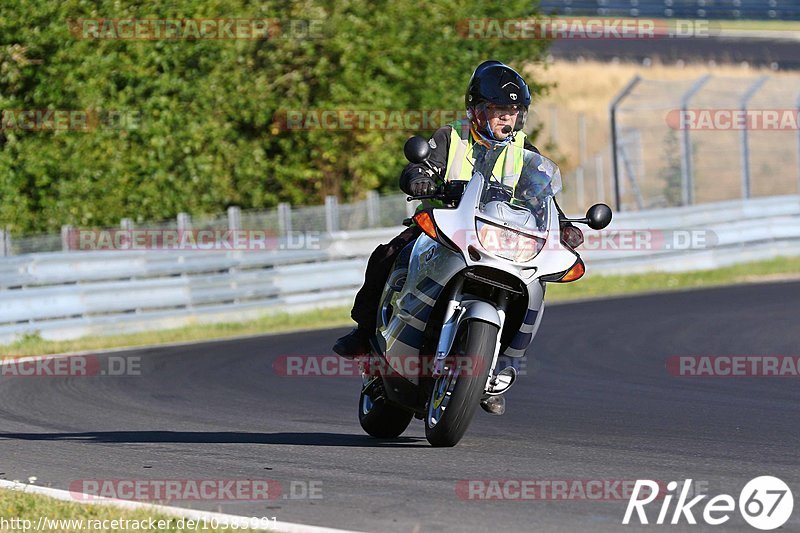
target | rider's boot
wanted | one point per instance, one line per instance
(353, 344)
(494, 405)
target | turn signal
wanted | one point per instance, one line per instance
(424, 220)
(571, 236)
(576, 272)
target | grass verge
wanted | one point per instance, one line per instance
(22, 512)
(758, 25)
(601, 286)
(276, 323)
(590, 287)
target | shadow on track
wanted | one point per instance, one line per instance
(224, 437)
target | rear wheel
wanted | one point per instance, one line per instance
(457, 393)
(377, 417)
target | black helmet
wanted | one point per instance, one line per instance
(496, 83)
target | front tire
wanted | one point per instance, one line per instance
(380, 419)
(455, 397)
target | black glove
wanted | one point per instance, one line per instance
(420, 181)
(422, 185)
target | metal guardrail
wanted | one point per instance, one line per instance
(375, 211)
(64, 295)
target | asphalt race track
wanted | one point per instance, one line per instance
(597, 404)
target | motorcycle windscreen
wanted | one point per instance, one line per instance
(515, 209)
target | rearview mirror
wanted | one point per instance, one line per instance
(598, 216)
(417, 149)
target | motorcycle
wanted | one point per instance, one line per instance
(468, 290)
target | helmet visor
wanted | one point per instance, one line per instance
(511, 114)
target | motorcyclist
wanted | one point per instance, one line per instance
(497, 100)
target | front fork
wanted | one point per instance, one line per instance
(502, 295)
(452, 320)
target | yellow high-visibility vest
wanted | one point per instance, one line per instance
(506, 169)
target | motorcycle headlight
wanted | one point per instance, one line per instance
(508, 243)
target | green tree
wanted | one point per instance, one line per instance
(207, 112)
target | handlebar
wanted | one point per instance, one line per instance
(449, 191)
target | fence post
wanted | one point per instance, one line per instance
(373, 208)
(184, 222)
(612, 109)
(579, 185)
(598, 174)
(687, 172)
(5, 242)
(798, 145)
(331, 214)
(234, 226)
(745, 144)
(284, 218)
(637, 193)
(553, 125)
(66, 237)
(126, 224)
(582, 139)
(234, 218)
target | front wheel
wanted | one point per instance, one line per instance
(378, 418)
(456, 394)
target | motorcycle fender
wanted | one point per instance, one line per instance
(467, 309)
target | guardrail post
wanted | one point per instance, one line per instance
(284, 219)
(66, 237)
(5, 242)
(234, 218)
(687, 171)
(745, 144)
(331, 214)
(373, 208)
(234, 225)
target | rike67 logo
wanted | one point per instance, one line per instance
(765, 503)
